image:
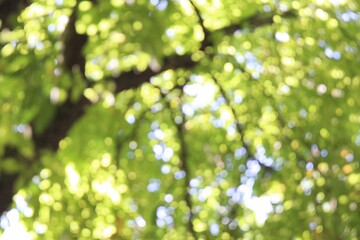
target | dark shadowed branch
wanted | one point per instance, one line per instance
(8, 8)
(257, 20)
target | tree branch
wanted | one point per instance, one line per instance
(64, 118)
(8, 8)
(73, 44)
(134, 79)
(7, 184)
(183, 165)
(239, 127)
(65, 115)
(69, 112)
(206, 41)
(257, 20)
(8, 179)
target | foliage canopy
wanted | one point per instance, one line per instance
(169, 119)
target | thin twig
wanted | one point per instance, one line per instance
(206, 41)
(184, 166)
(239, 127)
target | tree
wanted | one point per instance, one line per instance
(169, 119)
